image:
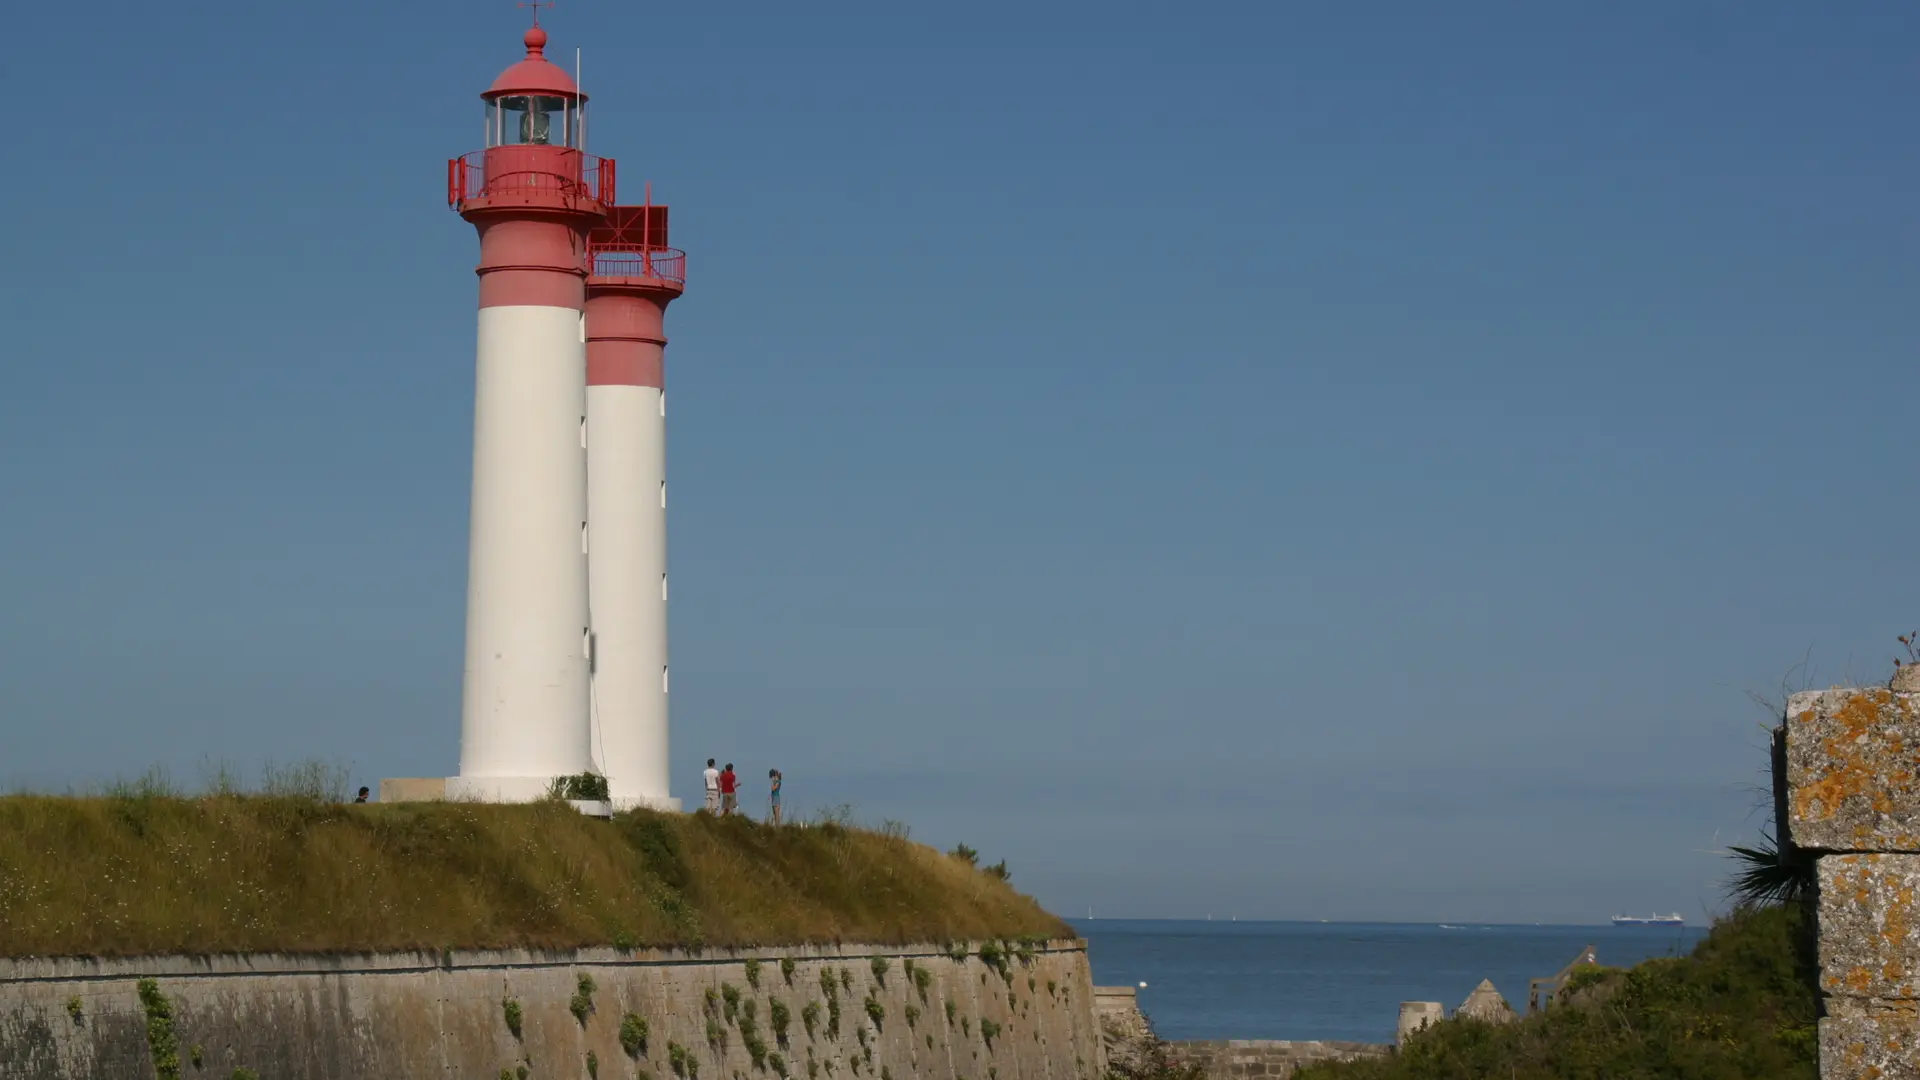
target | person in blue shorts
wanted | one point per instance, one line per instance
(773, 797)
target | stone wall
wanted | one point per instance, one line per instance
(1851, 800)
(1274, 1059)
(419, 1016)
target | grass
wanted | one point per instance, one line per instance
(144, 871)
(1741, 1007)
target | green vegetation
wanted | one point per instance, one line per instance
(581, 1005)
(593, 1065)
(989, 1030)
(585, 787)
(633, 1034)
(510, 1007)
(753, 973)
(779, 1016)
(162, 1044)
(1741, 1007)
(810, 1017)
(786, 969)
(143, 870)
(879, 966)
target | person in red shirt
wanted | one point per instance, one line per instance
(729, 792)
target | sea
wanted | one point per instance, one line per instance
(1344, 981)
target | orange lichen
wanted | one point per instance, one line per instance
(1859, 764)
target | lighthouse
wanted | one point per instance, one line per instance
(633, 276)
(533, 194)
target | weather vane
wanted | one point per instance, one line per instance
(536, 5)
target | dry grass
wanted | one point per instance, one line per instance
(136, 873)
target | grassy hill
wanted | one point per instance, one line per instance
(1741, 1007)
(143, 873)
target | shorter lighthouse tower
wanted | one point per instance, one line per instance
(532, 194)
(633, 276)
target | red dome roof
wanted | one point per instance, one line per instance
(534, 75)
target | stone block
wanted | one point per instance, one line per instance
(1871, 1041)
(1853, 770)
(1870, 926)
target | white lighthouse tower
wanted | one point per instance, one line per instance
(533, 194)
(633, 276)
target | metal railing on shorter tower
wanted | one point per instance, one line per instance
(668, 264)
(532, 176)
(632, 243)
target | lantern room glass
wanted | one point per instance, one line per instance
(533, 120)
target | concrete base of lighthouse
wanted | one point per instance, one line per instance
(498, 789)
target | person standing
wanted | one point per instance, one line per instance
(773, 797)
(729, 791)
(712, 777)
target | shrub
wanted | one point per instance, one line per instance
(593, 1065)
(633, 1034)
(731, 995)
(965, 854)
(778, 1064)
(162, 1044)
(779, 1017)
(989, 1030)
(786, 969)
(716, 1035)
(922, 982)
(879, 965)
(1741, 1007)
(913, 1014)
(950, 1011)
(876, 1011)
(810, 1016)
(833, 1018)
(677, 1059)
(581, 1005)
(583, 787)
(753, 973)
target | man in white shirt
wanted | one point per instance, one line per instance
(713, 788)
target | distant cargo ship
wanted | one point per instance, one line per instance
(1649, 920)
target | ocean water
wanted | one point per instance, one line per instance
(1289, 980)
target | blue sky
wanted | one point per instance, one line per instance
(1322, 461)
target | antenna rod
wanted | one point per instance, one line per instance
(579, 102)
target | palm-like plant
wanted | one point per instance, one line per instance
(1770, 874)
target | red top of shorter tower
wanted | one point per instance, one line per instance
(535, 74)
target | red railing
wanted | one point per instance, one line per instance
(635, 262)
(530, 176)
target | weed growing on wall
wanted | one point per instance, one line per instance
(510, 1008)
(710, 1002)
(521, 1070)
(929, 1042)
(957, 951)
(810, 1016)
(786, 969)
(879, 966)
(633, 1034)
(753, 973)
(196, 1054)
(731, 995)
(913, 1015)
(778, 1064)
(989, 1030)
(922, 982)
(779, 1017)
(846, 979)
(162, 1044)
(828, 985)
(677, 1059)
(593, 1065)
(716, 1035)
(876, 1012)
(992, 956)
(833, 1018)
(813, 1067)
(581, 1005)
(950, 1011)
(966, 1027)
(506, 1072)
(243, 1074)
